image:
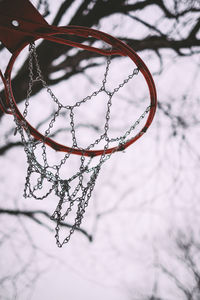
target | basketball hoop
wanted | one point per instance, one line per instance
(24, 32)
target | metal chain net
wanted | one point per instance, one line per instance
(73, 193)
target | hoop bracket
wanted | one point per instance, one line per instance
(15, 15)
(17, 30)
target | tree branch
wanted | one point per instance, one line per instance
(195, 30)
(9, 146)
(33, 215)
(157, 43)
(171, 15)
(62, 10)
(154, 28)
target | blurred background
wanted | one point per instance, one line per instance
(140, 236)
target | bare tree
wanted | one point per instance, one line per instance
(185, 277)
(161, 31)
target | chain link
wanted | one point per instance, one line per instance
(80, 194)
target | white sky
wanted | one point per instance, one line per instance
(147, 188)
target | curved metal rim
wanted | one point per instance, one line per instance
(124, 50)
